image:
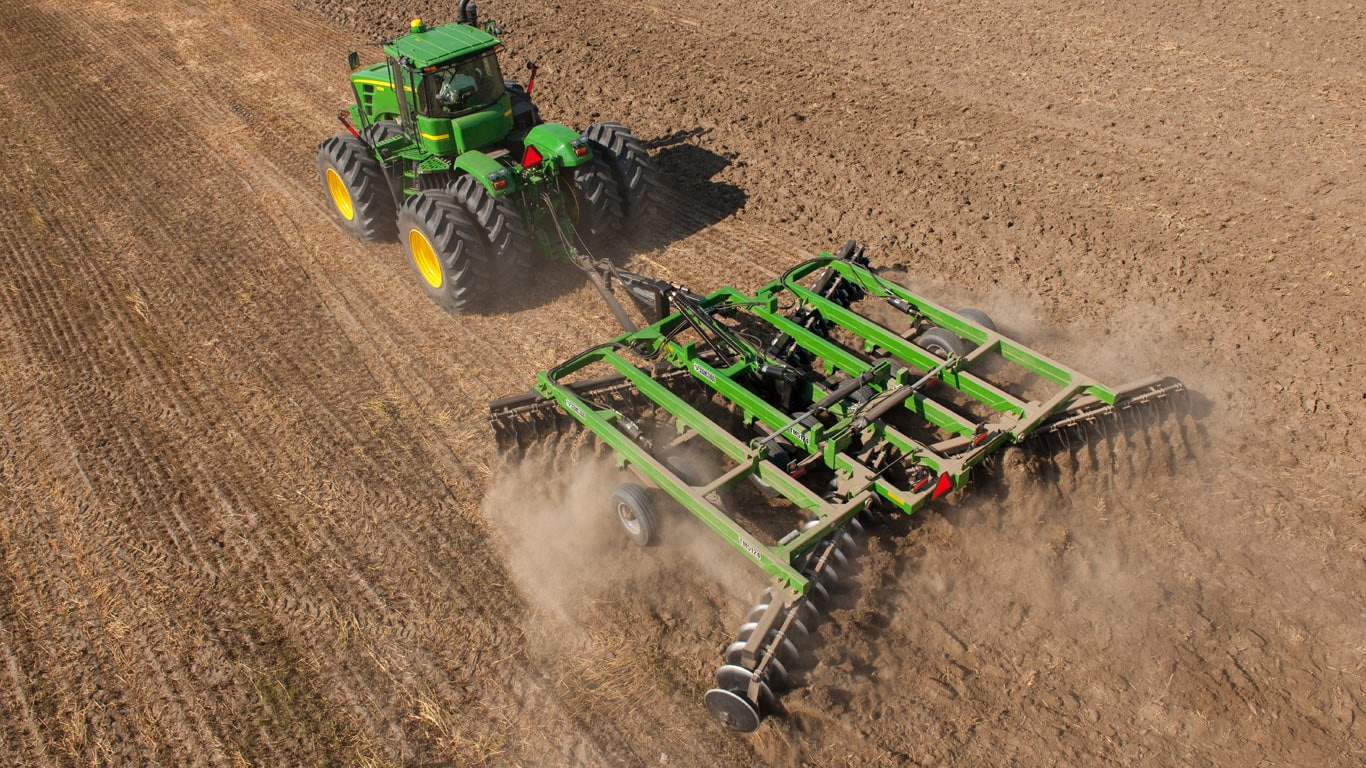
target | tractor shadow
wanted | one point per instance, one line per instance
(692, 198)
(690, 201)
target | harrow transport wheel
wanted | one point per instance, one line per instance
(732, 710)
(506, 240)
(979, 317)
(636, 512)
(445, 249)
(680, 465)
(596, 213)
(941, 342)
(354, 181)
(631, 167)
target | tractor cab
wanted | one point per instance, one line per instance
(442, 85)
(461, 87)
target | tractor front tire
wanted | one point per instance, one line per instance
(500, 222)
(445, 249)
(632, 168)
(354, 182)
(381, 131)
(596, 213)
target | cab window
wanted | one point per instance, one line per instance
(464, 86)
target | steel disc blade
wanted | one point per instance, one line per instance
(787, 653)
(855, 526)
(819, 595)
(733, 653)
(837, 558)
(732, 710)
(733, 678)
(776, 675)
(757, 612)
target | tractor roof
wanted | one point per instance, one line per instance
(438, 44)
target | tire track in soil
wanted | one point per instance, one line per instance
(84, 422)
(345, 556)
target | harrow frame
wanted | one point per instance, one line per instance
(824, 417)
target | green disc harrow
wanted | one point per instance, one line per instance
(786, 420)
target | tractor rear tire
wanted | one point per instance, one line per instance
(633, 170)
(525, 115)
(354, 181)
(445, 248)
(500, 222)
(597, 210)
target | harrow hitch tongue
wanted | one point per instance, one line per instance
(786, 420)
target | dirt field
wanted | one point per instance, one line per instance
(251, 510)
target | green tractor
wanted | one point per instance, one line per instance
(455, 162)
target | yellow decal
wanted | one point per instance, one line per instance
(380, 84)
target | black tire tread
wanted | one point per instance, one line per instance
(637, 181)
(508, 244)
(599, 204)
(364, 178)
(943, 338)
(455, 235)
(639, 499)
(381, 131)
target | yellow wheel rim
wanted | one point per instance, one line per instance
(340, 196)
(424, 256)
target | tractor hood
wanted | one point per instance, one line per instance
(432, 46)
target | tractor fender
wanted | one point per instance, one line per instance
(559, 141)
(486, 170)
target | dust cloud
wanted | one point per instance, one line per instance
(569, 556)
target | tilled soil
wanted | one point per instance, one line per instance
(253, 516)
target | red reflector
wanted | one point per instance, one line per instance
(920, 485)
(580, 151)
(531, 158)
(500, 184)
(942, 487)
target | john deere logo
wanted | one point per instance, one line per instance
(703, 372)
(573, 406)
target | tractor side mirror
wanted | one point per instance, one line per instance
(353, 60)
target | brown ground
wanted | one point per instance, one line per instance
(243, 463)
